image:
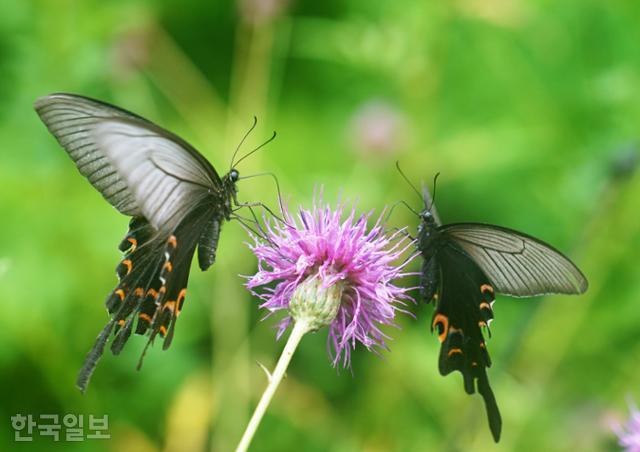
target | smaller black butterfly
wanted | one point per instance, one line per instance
(464, 266)
(175, 197)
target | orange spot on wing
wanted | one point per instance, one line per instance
(453, 329)
(152, 293)
(167, 266)
(145, 317)
(120, 293)
(454, 351)
(482, 323)
(486, 288)
(485, 305)
(121, 322)
(127, 263)
(134, 243)
(180, 300)
(441, 319)
(163, 330)
(170, 305)
(172, 241)
(138, 292)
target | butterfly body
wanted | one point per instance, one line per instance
(428, 243)
(464, 265)
(175, 197)
(208, 242)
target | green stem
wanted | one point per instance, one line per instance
(300, 328)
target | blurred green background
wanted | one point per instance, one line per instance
(530, 111)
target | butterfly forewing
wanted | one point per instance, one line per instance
(139, 167)
(517, 264)
(166, 181)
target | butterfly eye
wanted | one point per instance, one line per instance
(234, 175)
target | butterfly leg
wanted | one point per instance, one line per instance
(402, 231)
(260, 231)
(264, 206)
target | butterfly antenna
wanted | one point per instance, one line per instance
(253, 126)
(396, 205)
(404, 176)
(433, 198)
(273, 137)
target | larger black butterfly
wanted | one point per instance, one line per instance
(176, 198)
(464, 265)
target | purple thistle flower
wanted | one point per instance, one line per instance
(317, 255)
(629, 435)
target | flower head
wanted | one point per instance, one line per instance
(629, 435)
(318, 254)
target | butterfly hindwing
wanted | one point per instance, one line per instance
(136, 272)
(463, 309)
(153, 274)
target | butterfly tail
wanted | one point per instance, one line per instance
(92, 358)
(472, 362)
(493, 413)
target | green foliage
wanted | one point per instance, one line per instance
(522, 106)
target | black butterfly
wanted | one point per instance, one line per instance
(176, 198)
(464, 265)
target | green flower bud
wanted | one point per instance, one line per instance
(314, 304)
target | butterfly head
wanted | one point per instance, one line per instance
(229, 184)
(427, 226)
(427, 217)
